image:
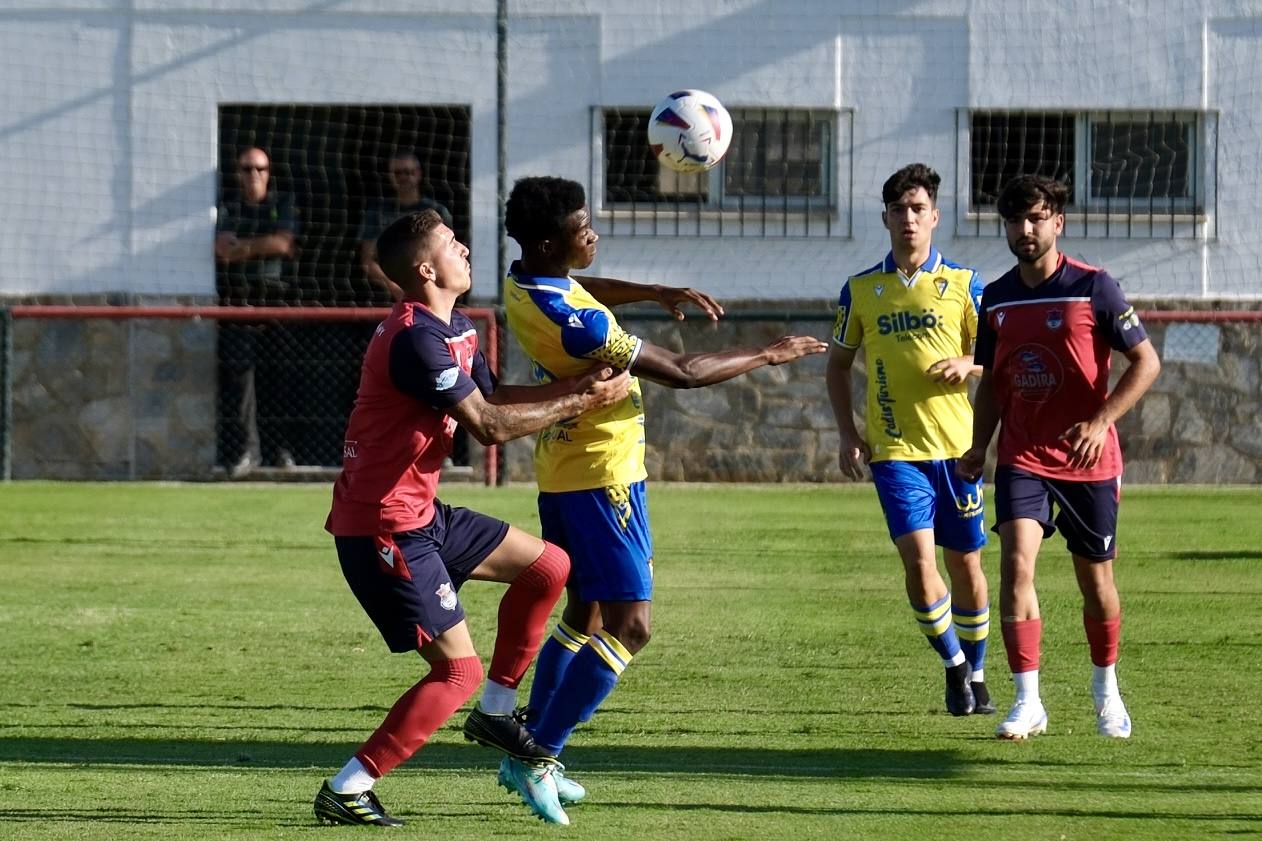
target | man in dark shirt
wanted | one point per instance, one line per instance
(256, 232)
(405, 177)
(1047, 330)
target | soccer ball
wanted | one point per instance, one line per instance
(689, 131)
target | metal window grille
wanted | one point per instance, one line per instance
(1131, 174)
(786, 174)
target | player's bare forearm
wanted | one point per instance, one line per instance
(852, 451)
(611, 292)
(838, 380)
(696, 370)
(509, 394)
(985, 413)
(1135, 381)
(496, 423)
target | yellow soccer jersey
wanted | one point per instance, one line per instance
(904, 326)
(564, 331)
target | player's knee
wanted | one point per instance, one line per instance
(634, 633)
(553, 565)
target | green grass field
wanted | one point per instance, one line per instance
(186, 662)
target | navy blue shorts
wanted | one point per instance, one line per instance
(407, 582)
(919, 495)
(606, 533)
(1086, 512)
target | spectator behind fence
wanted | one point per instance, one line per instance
(255, 235)
(405, 177)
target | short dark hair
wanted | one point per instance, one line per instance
(538, 206)
(1025, 191)
(909, 178)
(405, 152)
(405, 244)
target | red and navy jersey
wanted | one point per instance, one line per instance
(1048, 350)
(415, 369)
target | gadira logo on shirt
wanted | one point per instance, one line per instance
(446, 379)
(446, 596)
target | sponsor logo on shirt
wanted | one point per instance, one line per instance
(350, 449)
(1129, 319)
(447, 379)
(907, 322)
(886, 401)
(1036, 373)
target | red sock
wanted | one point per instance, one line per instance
(524, 613)
(1022, 639)
(419, 712)
(1102, 638)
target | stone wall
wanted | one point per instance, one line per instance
(105, 399)
(1199, 424)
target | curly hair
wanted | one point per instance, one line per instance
(538, 206)
(406, 243)
(909, 178)
(1025, 191)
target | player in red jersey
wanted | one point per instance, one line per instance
(1048, 328)
(403, 552)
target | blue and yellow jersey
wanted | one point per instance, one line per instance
(905, 325)
(564, 331)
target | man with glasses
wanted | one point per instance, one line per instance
(405, 178)
(255, 233)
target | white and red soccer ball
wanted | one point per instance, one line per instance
(689, 131)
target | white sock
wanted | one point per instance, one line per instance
(354, 778)
(979, 676)
(1104, 682)
(1027, 685)
(497, 699)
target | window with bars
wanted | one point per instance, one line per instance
(779, 178)
(1130, 173)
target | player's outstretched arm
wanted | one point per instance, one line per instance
(694, 370)
(611, 292)
(985, 422)
(853, 451)
(521, 410)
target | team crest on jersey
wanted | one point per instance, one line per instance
(1055, 319)
(879, 289)
(446, 596)
(1129, 319)
(447, 379)
(942, 288)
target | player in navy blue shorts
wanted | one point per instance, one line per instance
(1048, 329)
(403, 552)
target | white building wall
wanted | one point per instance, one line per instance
(107, 143)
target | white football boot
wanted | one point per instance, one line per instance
(1025, 719)
(1111, 718)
